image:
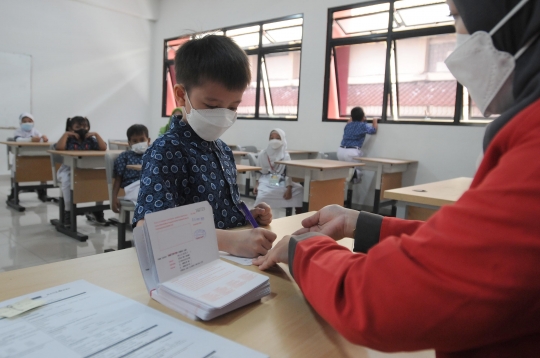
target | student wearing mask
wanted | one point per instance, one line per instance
(189, 163)
(27, 132)
(273, 186)
(466, 282)
(77, 137)
(128, 179)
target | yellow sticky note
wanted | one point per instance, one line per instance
(20, 307)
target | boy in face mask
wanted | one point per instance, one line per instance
(128, 179)
(190, 163)
(77, 137)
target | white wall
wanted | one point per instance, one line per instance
(87, 60)
(443, 151)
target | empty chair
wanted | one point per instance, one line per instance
(250, 149)
(330, 155)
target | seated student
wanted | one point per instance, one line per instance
(27, 132)
(466, 282)
(190, 163)
(274, 187)
(166, 127)
(129, 179)
(77, 137)
(354, 135)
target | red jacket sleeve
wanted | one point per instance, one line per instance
(468, 277)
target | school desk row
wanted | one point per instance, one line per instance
(324, 181)
(280, 325)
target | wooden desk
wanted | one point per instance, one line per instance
(388, 174)
(31, 164)
(134, 167)
(239, 155)
(419, 202)
(302, 154)
(324, 180)
(280, 325)
(88, 184)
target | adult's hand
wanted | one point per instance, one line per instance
(332, 220)
(251, 243)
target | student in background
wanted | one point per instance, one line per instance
(354, 135)
(274, 187)
(27, 132)
(189, 163)
(466, 282)
(77, 137)
(125, 178)
(165, 128)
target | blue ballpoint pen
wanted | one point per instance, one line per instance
(244, 209)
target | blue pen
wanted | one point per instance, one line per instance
(244, 209)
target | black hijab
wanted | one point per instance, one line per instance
(483, 15)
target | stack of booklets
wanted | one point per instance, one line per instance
(179, 259)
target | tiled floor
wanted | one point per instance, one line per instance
(28, 238)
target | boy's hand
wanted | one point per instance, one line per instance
(262, 213)
(288, 193)
(116, 205)
(252, 243)
(36, 139)
(256, 189)
(280, 253)
(332, 220)
(44, 138)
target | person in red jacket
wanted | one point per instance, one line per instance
(467, 281)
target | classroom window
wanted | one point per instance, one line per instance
(274, 51)
(388, 58)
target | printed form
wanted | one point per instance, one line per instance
(83, 320)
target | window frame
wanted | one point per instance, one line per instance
(390, 37)
(260, 52)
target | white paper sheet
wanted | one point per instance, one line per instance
(84, 320)
(239, 260)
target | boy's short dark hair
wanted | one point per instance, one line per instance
(357, 114)
(137, 129)
(212, 58)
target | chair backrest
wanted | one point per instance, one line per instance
(8, 148)
(253, 159)
(110, 157)
(113, 146)
(330, 155)
(250, 148)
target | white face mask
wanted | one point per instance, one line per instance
(140, 148)
(275, 143)
(487, 72)
(27, 127)
(210, 124)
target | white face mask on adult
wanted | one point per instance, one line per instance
(210, 124)
(487, 72)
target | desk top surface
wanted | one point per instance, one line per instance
(134, 166)
(293, 151)
(124, 144)
(386, 160)
(436, 194)
(246, 168)
(321, 164)
(28, 144)
(83, 153)
(281, 324)
(239, 152)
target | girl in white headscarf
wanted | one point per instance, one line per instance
(273, 186)
(26, 131)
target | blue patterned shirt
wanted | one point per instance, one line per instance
(181, 168)
(128, 176)
(355, 134)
